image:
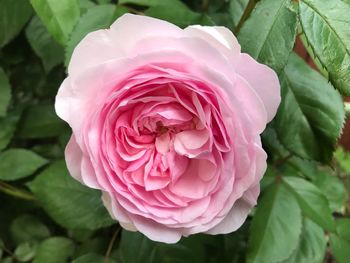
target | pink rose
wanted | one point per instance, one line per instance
(167, 123)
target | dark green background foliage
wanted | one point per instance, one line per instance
(303, 212)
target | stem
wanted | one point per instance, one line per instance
(6, 250)
(347, 108)
(283, 159)
(110, 245)
(133, 10)
(250, 6)
(205, 4)
(13, 191)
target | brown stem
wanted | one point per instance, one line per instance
(249, 8)
(110, 245)
(283, 159)
(205, 4)
(13, 191)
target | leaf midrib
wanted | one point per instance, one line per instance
(270, 28)
(327, 23)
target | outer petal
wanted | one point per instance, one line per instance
(264, 80)
(107, 44)
(155, 231)
(74, 155)
(215, 35)
(238, 213)
(233, 220)
(79, 166)
(117, 212)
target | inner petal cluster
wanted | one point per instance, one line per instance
(165, 142)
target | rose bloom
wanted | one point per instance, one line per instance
(166, 123)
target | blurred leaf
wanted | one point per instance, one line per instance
(7, 260)
(311, 112)
(80, 235)
(48, 125)
(343, 228)
(27, 228)
(278, 217)
(97, 17)
(326, 27)
(269, 33)
(43, 44)
(236, 10)
(311, 200)
(19, 163)
(343, 158)
(340, 249)
(312, 245)
(152, 2)
(340, 242)
(175, 13)
(101, 2)
(85, 5)
(5, 92)
(14, 14)
(149, 251)
(332, 188)
(54, 250)
(25, 251)
(8, 127)
(69, 203)
(59, 17)
(50, 151)
(96, 245)
(118, 12)
(92, 258)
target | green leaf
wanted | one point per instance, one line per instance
(97, 17)
(48, 125)
(85, 5)
(101, 2)
(43, 44)
(149, 251)
(151, 2)
(326, 27)
(95, 245)
(333, 189)
(54, 250)
(7, 260)
(278, 217)
(268, 34)
(311, 200)
(316, 61)
(14, 14)
(5, 92)
(27, 228)
(92, 258)
(19, 163)
(343, 228)
(236, 10)
(312, 245)
(8, 127)
(69, 203)
(310, 117)
(340, 242)
(59, 17)
(175, 13)
(343, 159)
(25, 251)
